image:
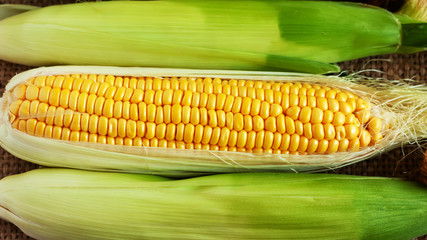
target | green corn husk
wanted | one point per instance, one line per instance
(247, 35)
(74, 204)
(414, 14)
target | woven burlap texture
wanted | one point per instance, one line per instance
(400, 162)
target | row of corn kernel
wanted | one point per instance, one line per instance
(59, 133)
(182, 83)
(56, 96)
(296, 89)
(96, 124)
(176, 114)
(256, 142)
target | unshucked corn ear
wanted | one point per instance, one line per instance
(75, 204)
(173, 120)
(244, 35)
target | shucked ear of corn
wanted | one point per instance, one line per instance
(175, 121)
(244, 35)
(75, 204)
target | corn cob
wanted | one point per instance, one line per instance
(276, 35)
(203, 113)
(76, 204)
(162, 120)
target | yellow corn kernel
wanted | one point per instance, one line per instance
(312, 145)
(293, 112)
(250, 142)
(323, 146)
(318, 131)
(270, 124)
(375, 125)
(305, 114)
(290, 125)
(286, 140)
(281, 126)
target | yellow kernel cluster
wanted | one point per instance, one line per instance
(195, 113)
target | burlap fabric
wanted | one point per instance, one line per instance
(400, 162)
